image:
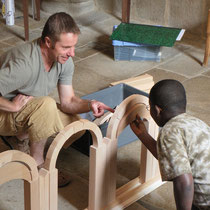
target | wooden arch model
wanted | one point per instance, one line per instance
(18, 165)
(149, 176)
(48, 174)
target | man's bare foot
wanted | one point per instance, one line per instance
(17, 144)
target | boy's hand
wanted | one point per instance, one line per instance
(138, 126)
(140, 130)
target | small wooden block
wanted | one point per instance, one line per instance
(143, 82)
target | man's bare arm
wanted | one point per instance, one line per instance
(16, 104)
(75, 105)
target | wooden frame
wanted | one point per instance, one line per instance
(48, 174)
(41, 188)
(149, 176)
(18, 165)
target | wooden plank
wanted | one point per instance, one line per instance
(142, 82)
(129, 195)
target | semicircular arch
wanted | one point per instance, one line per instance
(65, 134)
(125, 113)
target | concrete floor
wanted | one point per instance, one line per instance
(95, 69)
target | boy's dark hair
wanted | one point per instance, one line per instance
(169, 95)
(59, 23)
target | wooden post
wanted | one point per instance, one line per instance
(37, 9)
(97, 173)
(207, 50)
(149, 167)
(126, 11)
(25, 15)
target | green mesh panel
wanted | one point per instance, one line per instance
(146, 34)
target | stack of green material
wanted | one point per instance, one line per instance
(146, 34)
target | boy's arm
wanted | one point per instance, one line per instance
(140, 130)
(183, 191)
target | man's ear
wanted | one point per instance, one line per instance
(48, 42)
(158, 110)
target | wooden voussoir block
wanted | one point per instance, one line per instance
(143, 82)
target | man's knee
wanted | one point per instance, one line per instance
(45, 120)
(48, 104)
(48, 101)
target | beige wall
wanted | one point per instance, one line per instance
(188, 14)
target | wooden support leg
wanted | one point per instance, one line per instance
(53, 189)
(111, 169)
(149, 165)
(97, 179)
(38, 9)
(126, 11)
(207, 50)
(44, 184)
(25, 15)
(31, 195)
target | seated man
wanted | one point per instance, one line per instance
(28, 73)
(182, 147)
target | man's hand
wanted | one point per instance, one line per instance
(98, 108)
(20, 100)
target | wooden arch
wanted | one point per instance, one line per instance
(149, 177)
(126, 113)
(48, 174)
(18, 165)
(65, 134)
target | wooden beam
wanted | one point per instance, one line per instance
(126, 11)
(133, 191)
(25, 16)
(207, 50)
